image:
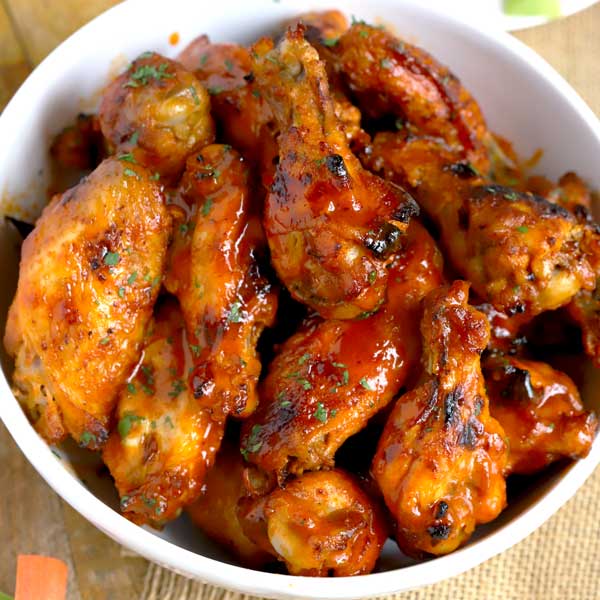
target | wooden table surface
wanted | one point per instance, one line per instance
(33, 519)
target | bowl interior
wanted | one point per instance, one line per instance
(522, 99)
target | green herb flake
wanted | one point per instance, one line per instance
(372, 277)
(256, 93)
(177, 387)
(365, 383)
(130, 173)
(386, 63)
(149, 502)
(131, 388)
(253, 443)
(306, 385)
(155, 177)
(144, 73)
(131, 279)
(124, 500)
(169, 422)
(147, 390)
(134, 138)
(399, 123)
(127, 157)
(303, 358)
(523, 229)
(228, 64)
(285, 403)
(104, 341)
(332, 413)
(510, 196)
(121, 292)
(345, 378)
(203, 59)
(234, 313)
(320, 413)
(126, 422)
(363, 33)
(111, 259)
(330, 42)
(213, 91)
(195, 349)
(87, 438)
(206, 207)
(194, 95)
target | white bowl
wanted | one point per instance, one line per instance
(522, 97)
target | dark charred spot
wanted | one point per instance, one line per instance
(469, 434)
(95, 264)
(150, 448)
(530, 277)
(583, 214)
(385, 241)
(249, 77)
(306, 179)
(516, 309)
(463, 218)
(275, 160)
(279, 187)
(199, 386)
(451, 402)
(408, 209)
(441, 509)
(464, 170)
(336, 166)
(439, 532)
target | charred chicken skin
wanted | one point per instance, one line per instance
(89, 276)
(332, 376)
(320, 524)
(329, 222)
(521, 253)
(441, 457)
(157, 113)
(164, 442)
(214, 271)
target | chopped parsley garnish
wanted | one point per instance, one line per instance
(131, 388)
(130, 173)
(213, 91)
(372, 277)
(132, 278)
(365, 383)
(143, 74)
(195, 349)
(121, 292)
(304, 383)
(203, 59)
(126, 422)
(304, 358)
(330, 42)
(87, 438)
(253, 444)
(183, 228)
(155, 177)
(207, 206)
(363, 33)
(127, 157)
(523, 229)
(234, 313)
(386, 63)
(512, 196)
(284, 403)
(111, 258)
(177, 387)
(256, 93)
(320, 413)
(169, 422)
(104, 341)
(228, 65)
(194, 95)
(134, 138)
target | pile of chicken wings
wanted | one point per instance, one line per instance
(295, 294)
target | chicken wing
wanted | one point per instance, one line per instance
(522, 254)
(157, 113)
(90, 273)
(329, 222)
(214, 271)
(390, 77)
(540, 411)
(441, 457)
(320, 524)
(216, 511)
(332, 376)
(164, 442)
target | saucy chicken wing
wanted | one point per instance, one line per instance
(216, 510)
(165, 441)
(90, 273)
(540, 411)
(329, 223)
(214, 271)
(521, 253)
(391, 78)
(332, 376)
(157, 113)
(320, 524)
(441, 457)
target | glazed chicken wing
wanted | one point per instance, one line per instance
(441, 457)
(329, 222)
(332, 376)
(165, 441)
(157, 113)
(522, 254)
(90, 273)
(320, 524)
(540, 411)
(214, 271)
(390, 77)
(216, 511)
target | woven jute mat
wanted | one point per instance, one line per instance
(561, 560)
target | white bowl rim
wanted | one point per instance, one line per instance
(258, 582)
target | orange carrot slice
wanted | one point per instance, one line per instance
(40, 578)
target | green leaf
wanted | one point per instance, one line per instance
(126, 422)
(529, 8)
